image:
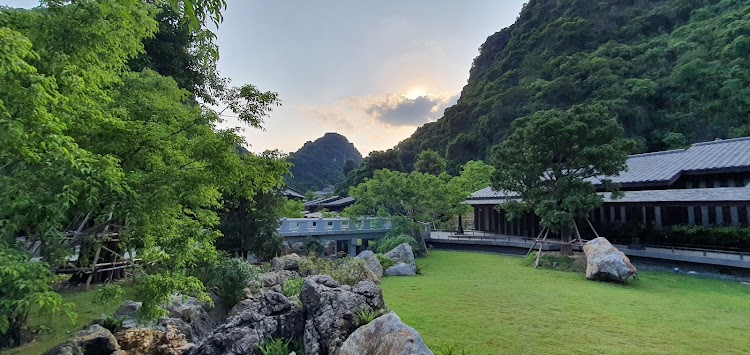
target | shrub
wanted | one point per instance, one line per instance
(230, 277)
(712, 237)
(346, 270)
(24, 284)
(312, 246)
(365, 315)
(418, 268)
(452, 349)
(155, 290)
(110, 322)
(293, 286)
(385, 261)
(275, 347)
(109, 293)
(391, 241)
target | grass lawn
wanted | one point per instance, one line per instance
(58, 328)
(491, 304)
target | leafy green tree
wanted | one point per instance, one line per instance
(549, 162)
(376, 160)
(310, 195)
(415, 197)
(475, 175)
(430, 162)
(24, 288)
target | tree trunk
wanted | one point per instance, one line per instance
(460, 225)
(566, 249)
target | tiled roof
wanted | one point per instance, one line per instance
(720, 194)
(294, 193)
(666, 167)
(340, 202)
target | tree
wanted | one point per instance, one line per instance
(415, 197)
(310, 195)
(376, 160)
(549, 162)
(430, 162)
(475, 175)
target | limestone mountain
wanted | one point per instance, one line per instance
(673, 72)
(321, 163)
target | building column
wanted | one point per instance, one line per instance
(353, 247)
(691, 215)
(612, 214)
(657, 215)
(644, 219)
(704, 216)
(623, 216)
(734, 214)
(601, 214)
(719, 216)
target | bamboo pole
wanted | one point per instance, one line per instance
(539, 253)
(536, 241)
(93, 267)
(592, 228)
(578, 233)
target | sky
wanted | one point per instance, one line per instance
(373, 71)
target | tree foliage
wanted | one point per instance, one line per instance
(430, 162)
(662, 67)
(550, 159)
(376, 160)
(86, 133)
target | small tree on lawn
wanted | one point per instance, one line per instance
(550, 160)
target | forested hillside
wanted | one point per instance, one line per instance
(674, 72)
(321, 163)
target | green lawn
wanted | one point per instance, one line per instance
(58, 328)
(490, 304)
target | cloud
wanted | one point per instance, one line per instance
(398, 110)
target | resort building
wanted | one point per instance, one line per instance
(706, 184)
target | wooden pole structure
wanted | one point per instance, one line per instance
(536, 241)
(578, 233)
(539, 253)
(592, 228)
(93, 266)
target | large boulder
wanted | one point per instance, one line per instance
(270, 316)
(330, 311)
(189, 316)
(371, 262)
(401, 269)
(286, 262)
(605, 263)
(293, 247)
(94, 340)
(329, 247)
(170, 341)
(128, 313)
(401, 254)
(386, 335)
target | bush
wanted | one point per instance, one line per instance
(275, 347)
(365, 315)
(346, 270)
(391, 241)
(24, 284)
(230, 277)
(109, 293)
(293, 286)
(712, 237)
(385, 261)
(564, 263)
(312, 246)
(110, 322)
(155, 291)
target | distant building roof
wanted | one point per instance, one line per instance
(663, 168)
(292, 193)
(340, 202)
(719, 194)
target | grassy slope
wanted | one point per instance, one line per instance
(58, 328)
(490, 304)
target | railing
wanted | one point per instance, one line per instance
(325, 226)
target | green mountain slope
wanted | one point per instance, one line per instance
(321, 163)
(673, 71)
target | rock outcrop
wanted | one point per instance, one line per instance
(271, 316)
(170, 341)
(401, 269)
(189, 316)
(605, 263)
(385, 335)
(330, 311)
(372, 263)
(94, 340)
(286, 262)
(401, 254)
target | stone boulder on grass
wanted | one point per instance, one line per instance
(372, 262)
(386, 335)
(605, 263)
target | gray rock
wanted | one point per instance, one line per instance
(605, 263)
(330, 311)
(94, 340)
(189, 316)
(286, 262)
(128, 311)
(386, 335)
(371, 262)
(401, 254)
(271, 316)
(401, 269)
(329, 247)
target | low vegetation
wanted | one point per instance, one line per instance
(385, 261)
(391, 241)
(293, 286)
(346, 270)
(492, 304)
(230, 277)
